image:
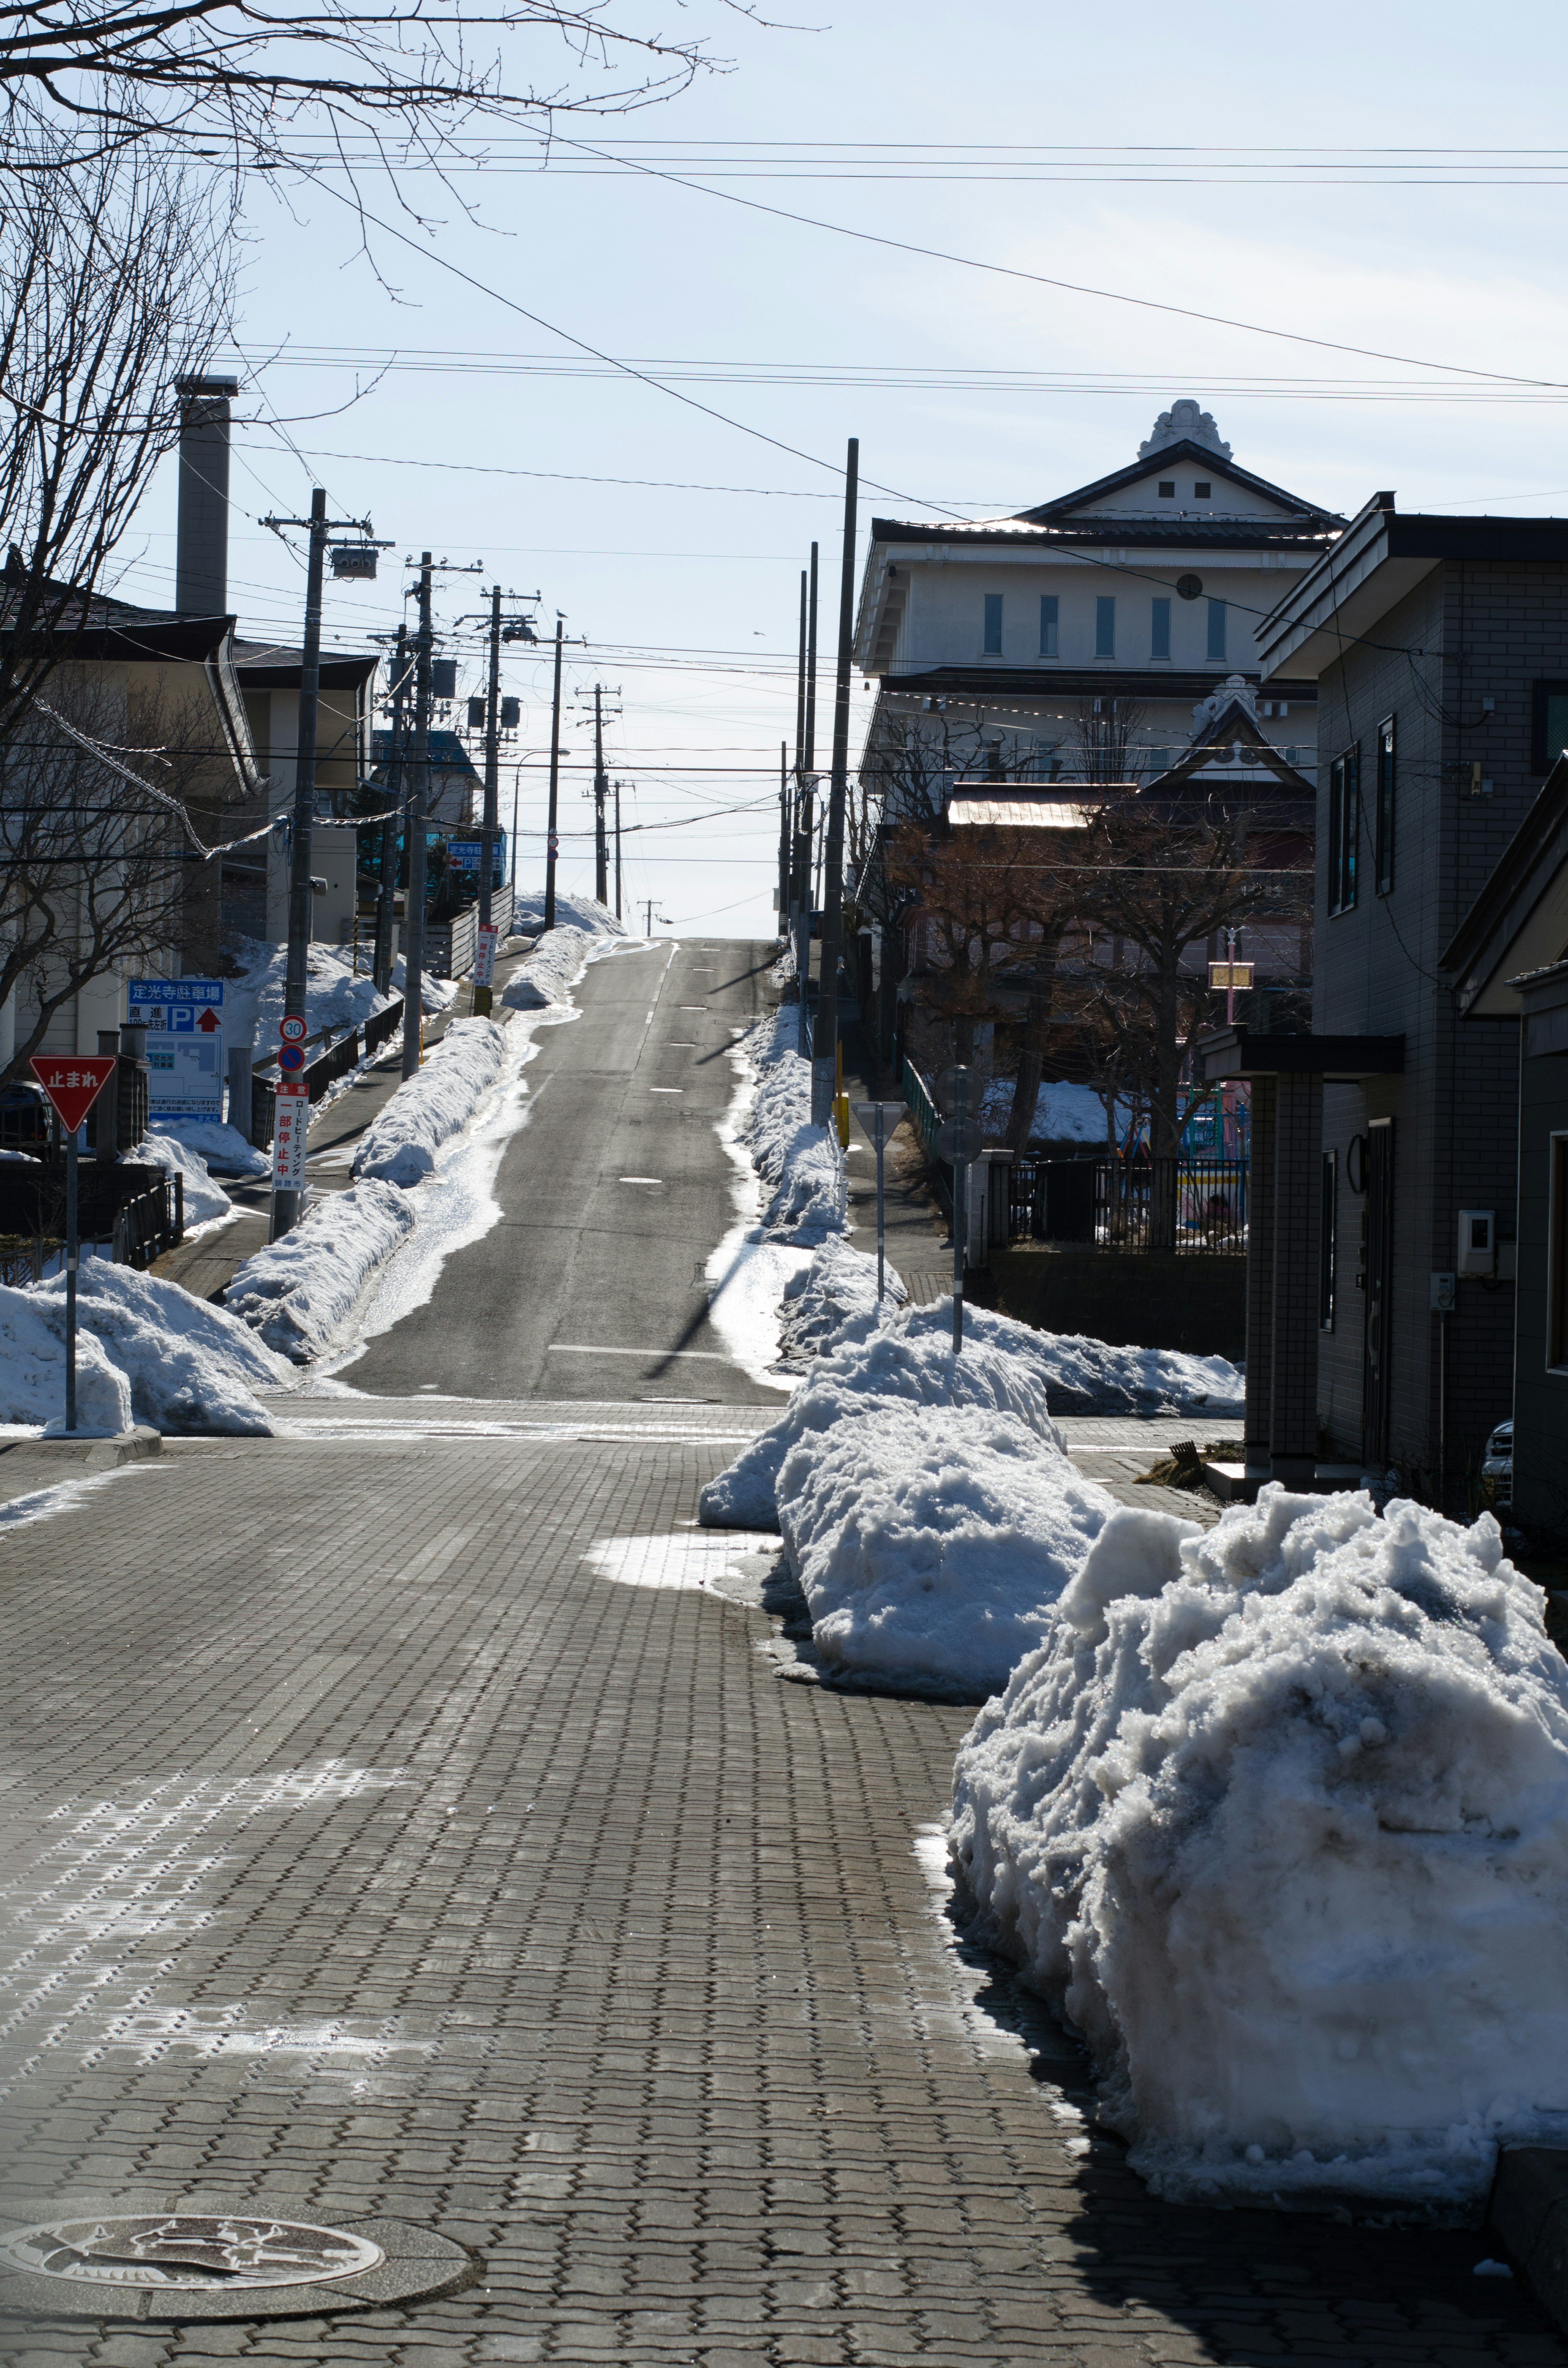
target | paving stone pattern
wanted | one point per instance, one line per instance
(367, 1853)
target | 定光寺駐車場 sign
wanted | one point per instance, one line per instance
(184, 1019)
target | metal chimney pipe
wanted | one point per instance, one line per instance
(201, 547)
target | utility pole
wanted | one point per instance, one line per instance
(601, 881)
(381, 968)
(552, 839)
(784, 839)
(418, 804)
(491, 823)
(319, 527)
(617, 850)
(649, 902)
(805, 798)
(824, 1037)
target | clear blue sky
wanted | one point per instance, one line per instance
(688, 598)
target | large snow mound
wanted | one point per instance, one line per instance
(839, 1284)
(146, 1351)
(1062, 1112)
(930, 1542)
(800, 1165)
(300, 1292)
(571, 913)
(201, 1199)
(1088, 1376)
(401, 1141)
(543, 977)
(1278, 1816)
(904, 1358)
(224, 1148)
(32, 1366)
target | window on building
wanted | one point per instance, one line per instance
(1049, 610)
(1549, 726)
(1160, 630)
(1168, 489)
(1157, 762)
(1382, 853)
(1216, 629)
(994, 624)
(1201, 491)
(1104, 628)
(1328, 1241)
(1344, 827)
(1557, 1253)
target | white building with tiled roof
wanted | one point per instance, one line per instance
(1108, 615)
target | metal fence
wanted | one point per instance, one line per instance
(922, 1109)
(1192, 1205)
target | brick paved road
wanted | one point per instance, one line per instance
(368, 1850)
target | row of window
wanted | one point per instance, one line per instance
(1345, 821)
(1105, 627)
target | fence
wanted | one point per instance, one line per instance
(138, 1208)
(922, 1109)
(333, 1061)
(1193, 1205)
(449, 953)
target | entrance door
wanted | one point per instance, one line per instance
(1378, 1270)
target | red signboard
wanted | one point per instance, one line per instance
(74, 1085)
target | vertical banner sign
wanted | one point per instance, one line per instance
(484, 954)
(72, 1085)
(290, 1121)
(184, 1019)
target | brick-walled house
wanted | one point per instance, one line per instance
(1439, 650)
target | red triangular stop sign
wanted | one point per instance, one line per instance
(73, 1083)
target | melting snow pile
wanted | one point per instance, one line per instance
(222, 1147)
(300, 1292)
(1278, 1816)
(146, 1351)
(556, 964)
(401, 1144)
(334, 996)
(1088, 1376)
(202, 1200)
(583, 912)
(1062, 1112)
(930, 1542)
(839, 1284)
(800, 1165)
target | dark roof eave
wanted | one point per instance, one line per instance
(1236, 1053)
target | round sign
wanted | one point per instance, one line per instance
(957, 1144)
(291, 1056)
(293, 1029)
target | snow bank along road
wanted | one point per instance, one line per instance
(612, 1197)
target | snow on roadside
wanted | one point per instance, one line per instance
(1278, 1817)
(401, 1141)
(821, 1298)
(202, 1200)
(557, 962)
(298, 1293)
(583, 912)
(253, 993)
(903, 1360)
(800, 1165)
(223, 1147)
(931, 1542)
(146, 1351)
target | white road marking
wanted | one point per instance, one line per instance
(641, 1179)
(667, 1089)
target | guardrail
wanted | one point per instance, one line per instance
(341, 1054)
(1194, 1206)
(922, 1109)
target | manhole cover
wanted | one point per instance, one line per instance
(86, 2261)
(213, 2253)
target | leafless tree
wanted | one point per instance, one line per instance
(105, 798)
(1104, 732)
(115, 279)
(237, 78)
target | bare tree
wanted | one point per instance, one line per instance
(239, 75)
(98, 795)
(1104, 731)
(1163, 876)
(115, 279)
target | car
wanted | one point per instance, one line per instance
(1497, 1466)
(24, 1116)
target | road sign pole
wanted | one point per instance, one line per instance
(882, 1212)
(961, 1209)
(71, 1250)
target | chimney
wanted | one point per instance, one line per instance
(201, 547)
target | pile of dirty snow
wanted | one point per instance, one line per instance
(800, 1165)
(931, 1542)
(1278, 1817)
(300, 1292)
(557, 962)
(146, 1351)
(839, 1284)
(202, 1200)
(224, 1148)
(401, 1141)
(903, 1360)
